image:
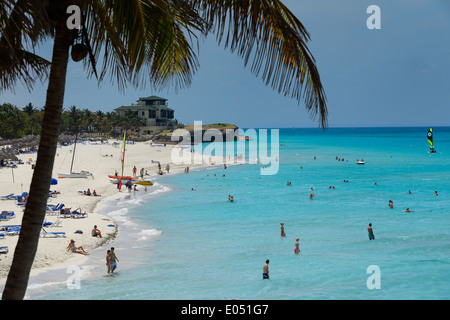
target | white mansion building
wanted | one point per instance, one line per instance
(154, 110)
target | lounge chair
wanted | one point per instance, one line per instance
(54, 210)
(8, 197)
(78, 215)
(46, 234)
(8, 227)
(57, 223)
(2, 236)
(13, 232)
(4, 250)
(6, 215)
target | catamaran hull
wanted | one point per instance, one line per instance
(82, 174)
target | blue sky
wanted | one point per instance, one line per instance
(396, 76)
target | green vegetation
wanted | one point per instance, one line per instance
(16, 122)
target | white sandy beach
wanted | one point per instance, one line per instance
(99, 159)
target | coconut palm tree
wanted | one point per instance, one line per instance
(136, 42)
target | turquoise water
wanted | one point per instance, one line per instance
(176, 243)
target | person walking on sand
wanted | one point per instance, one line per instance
(113, 260)
(134, 171)
(266, 270)
(108, 260)
(371, 235)
(297, 246)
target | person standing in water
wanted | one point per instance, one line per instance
(113, 259)
(371, 235)
(283, 234)
(266, 270)
(297, 246)
(108, 260)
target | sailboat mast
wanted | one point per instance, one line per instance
(74, 147)
(123, 152)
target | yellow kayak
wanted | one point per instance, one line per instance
(144, 183)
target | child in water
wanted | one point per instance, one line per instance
(297, 246)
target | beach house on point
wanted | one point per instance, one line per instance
(156, 113)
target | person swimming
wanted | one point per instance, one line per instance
(230, 197)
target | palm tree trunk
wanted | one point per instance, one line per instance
(34, 214)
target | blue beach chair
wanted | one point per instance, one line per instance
(6, 215)
(46, 234)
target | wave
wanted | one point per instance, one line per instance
(147, 234)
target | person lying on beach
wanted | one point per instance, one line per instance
(75, 249)
(95, 232)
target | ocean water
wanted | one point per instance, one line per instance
(179, 243)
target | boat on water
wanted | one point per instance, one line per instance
(430, 141)
(360, 161)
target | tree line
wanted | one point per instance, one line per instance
(16, 122)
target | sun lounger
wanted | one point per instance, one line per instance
(57, 223)
(4, 250)
(9, 227)
(55, 210)
(8, 197)
(6, 215)
(46, 234)
(2, 236)
(78, 215)
(13, 232)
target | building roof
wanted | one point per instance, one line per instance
(142, 107)
(152, 98)
(136, 108)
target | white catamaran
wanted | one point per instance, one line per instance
(71, 174)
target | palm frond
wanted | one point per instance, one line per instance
(20, 33)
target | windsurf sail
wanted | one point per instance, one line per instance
(430, 139)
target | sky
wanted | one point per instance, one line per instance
(398, 75)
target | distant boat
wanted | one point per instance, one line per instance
(360, 161)
(430, 141)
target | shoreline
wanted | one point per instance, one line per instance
(100, 160)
